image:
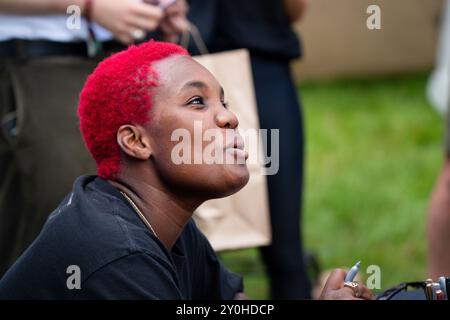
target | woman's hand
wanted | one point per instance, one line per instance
(127, 20)
(175, 21)
(335, 290)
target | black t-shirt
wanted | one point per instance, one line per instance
(261, 26)
(97, 230)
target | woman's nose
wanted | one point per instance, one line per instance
(226, 119)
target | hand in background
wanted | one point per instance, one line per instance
(334, 288)
(127, 20)
(174, 21)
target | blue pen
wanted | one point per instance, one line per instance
(351, 274)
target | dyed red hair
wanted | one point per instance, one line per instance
(119, 92)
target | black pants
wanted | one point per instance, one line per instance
(40, 162)
(279, 108)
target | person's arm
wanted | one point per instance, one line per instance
(295, 8)
(121, 17)
(37, 6)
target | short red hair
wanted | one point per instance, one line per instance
(119, 92)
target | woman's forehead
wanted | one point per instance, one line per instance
(177, 71)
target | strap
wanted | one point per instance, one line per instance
(196, 36)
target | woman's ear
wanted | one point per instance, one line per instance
(134, 142)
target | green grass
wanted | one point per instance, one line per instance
(374, 148)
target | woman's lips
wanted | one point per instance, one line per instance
(239, 153)
(237, 148)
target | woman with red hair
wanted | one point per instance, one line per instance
(127, 233)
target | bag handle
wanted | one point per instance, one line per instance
(192, 30)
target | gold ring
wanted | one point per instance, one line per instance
(354, 286)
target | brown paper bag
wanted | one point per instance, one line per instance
(241, 220)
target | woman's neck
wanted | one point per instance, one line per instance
(163, 211)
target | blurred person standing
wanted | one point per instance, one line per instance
(43, 66)
(264, 28)
(438, 230)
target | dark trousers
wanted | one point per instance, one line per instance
(41, 158)
(279, 108)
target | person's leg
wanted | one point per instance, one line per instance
(438, 224)
(278, 108)
(49, 152)
(438, 230)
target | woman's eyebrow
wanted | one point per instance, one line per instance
(199, 85)
(195, 84)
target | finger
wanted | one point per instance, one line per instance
(349, 291)
(137, 22)
(170, 4)
(335, 280)
(361, 291)
(174, 26)
(341, 294)
(176, 8)
(365, 292)
(179, 24)
(147, 11)
(172, 8)
(124, 38)
(167, 27)
(127, 34)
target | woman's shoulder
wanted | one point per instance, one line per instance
(87, 231)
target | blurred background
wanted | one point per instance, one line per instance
(374, 144)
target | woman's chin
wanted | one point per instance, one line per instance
(237, 176)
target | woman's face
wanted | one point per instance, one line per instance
(196, 148)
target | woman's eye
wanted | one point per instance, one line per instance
(197, 101)
(225, 104)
